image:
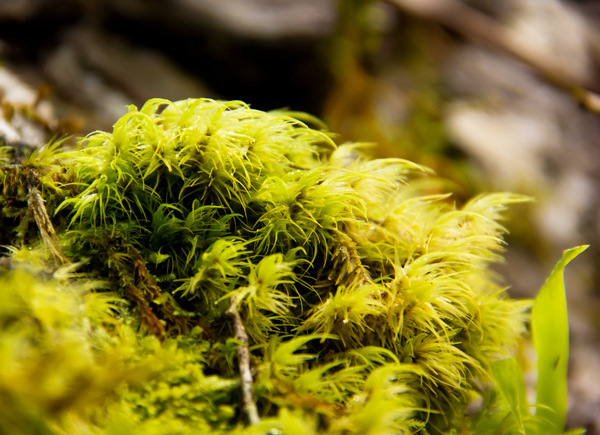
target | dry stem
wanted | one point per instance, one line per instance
(243, 361)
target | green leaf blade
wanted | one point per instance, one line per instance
(550, 329)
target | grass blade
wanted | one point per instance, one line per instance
(550, 329)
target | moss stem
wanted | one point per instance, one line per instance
(35, 202)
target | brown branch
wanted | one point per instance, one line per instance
(243, 361)
(478, 27)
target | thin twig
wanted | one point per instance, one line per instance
(243, 361)
(477, 26)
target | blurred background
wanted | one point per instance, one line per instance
(492, 95)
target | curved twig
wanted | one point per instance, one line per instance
(480, 28)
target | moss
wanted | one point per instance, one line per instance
(366, 295)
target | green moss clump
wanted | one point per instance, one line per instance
(365, 293)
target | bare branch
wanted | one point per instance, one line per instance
(243, 361)
(480, 28)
